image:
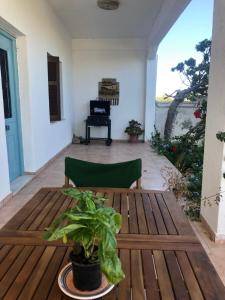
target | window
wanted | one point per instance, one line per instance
(5, 84)
(54, 88)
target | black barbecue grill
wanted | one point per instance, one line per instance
(99, 116)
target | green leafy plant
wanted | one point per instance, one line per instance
(221, 136)
(134, 128)
(186, 153)
(89, 224)
(174, 181)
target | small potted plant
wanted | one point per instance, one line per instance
(92, 229)
(134, 130)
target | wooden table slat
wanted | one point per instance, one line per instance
(157, 214)
(181, 223)
(4, 251)
(24, 274)
(60, 206)
(9, 259)
(133, 222)
(116, 202)
(179, 287)
(137, 280)
(39, 209)
(150, 219)
(49, 276)
(111, 295)
(39, 270)
(55, 293)
(7, 234)
(124, 290)
(124, 213)
(124, 241)
(215, 289)
(171, 229)
(109, 201)
(142, 225)
(25, 211)
(45, 213)
(150, 278)
(14, 269)
(163, 276)
(189, 276)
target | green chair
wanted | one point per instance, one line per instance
(89, 174)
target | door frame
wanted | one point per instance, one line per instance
(17, 95)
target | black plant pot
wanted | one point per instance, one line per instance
(86, 277)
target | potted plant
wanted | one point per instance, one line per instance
(92, 228)
(134, 130)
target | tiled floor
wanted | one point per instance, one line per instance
(152, 178)
(20, 182)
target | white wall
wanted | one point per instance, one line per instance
(151, 76)
(214, 166)
(184, 118)
(43, 32)
(123, 59)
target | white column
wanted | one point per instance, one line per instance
(151, 77)
(25, 103)
(214, 166)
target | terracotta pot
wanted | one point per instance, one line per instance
(133, 139)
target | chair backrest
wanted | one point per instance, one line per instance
(89, 174)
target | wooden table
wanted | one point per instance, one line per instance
(161, 256)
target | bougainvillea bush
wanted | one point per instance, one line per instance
(186, 153)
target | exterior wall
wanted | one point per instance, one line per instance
(151, 76)
(184, 118)
(123, 59)
(214, 166)
(42, 32)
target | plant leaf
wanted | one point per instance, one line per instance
(60, 233)
(111, 267)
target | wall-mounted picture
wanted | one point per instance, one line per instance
(109, 90)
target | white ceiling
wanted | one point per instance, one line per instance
(83, 19)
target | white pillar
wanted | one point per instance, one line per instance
(151, 77)
(25, 103)
(214, 166)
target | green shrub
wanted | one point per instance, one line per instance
(186, 153)
(134, 128)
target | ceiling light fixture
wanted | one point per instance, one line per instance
(108, 4)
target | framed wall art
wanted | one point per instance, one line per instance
(109, 90)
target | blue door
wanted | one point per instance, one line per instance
(9, 84)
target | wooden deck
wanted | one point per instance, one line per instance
(160, 254)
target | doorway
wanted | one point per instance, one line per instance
(9, 81)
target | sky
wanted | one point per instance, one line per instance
(193, 26)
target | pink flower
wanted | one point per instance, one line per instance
(197, 114)
(174, 149)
